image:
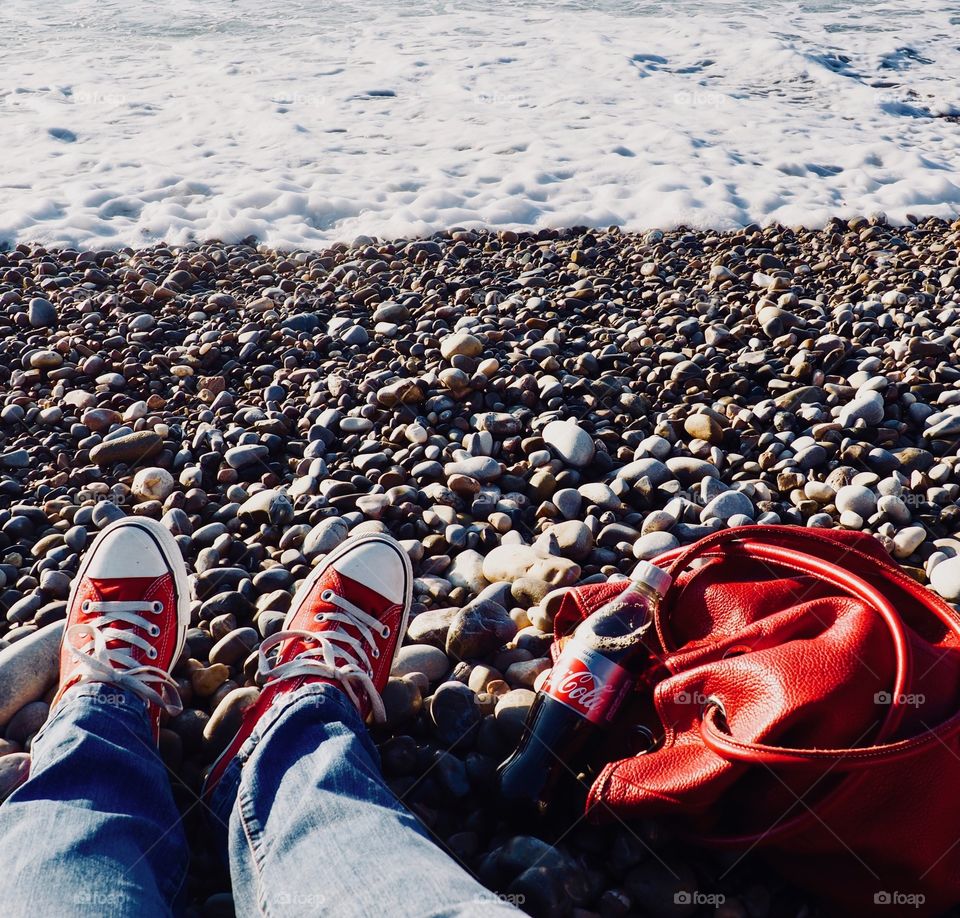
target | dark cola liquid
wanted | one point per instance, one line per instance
(584, 691)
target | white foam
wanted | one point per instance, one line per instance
(302, 123)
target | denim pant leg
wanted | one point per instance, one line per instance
(94, 831)
(314, 830)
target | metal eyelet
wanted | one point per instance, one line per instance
(385, 633)
(154, 631)
(85, 605)
(320, 617)
(376, 654)
(152, 653)
(157, 607)
(326, 595)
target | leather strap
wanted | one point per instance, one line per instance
(743, 542)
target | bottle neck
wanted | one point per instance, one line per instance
(645, 590)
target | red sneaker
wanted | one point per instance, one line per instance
(128, 614)
(344, 626)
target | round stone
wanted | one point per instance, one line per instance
(856, 499)
(653, 544)
(455, 713)
(945, 579)
(152, 484)
(478, 629)
(703, 427)
(728, 504)
(907, 541)
(421, 658)
(461, 344)
(570, 442)
(573, 537)
(325, 537)
(41, 313)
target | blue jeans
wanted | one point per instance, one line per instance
(309, 824)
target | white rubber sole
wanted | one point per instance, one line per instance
(167, 546)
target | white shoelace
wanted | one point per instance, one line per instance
(117, 665)
(347, 664)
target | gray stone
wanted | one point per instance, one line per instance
(467, 571)
(455, 714)
(421, 658)
(647, 467)
(16, 459)
(129, 448)
(856, 499)
(500, 424)
(27, 721)
(14, 770)
(691, 471)
(483, 468)
(246, 455)
(226, 719)
(945, 579)
(431, 627)
(568, 501)
(907, 541)
(325, 537)
(867, 408)
(402, 701)
(944, 428)
(478, 629)
(573, 537)
(235, 646)
(726, 505)
(461, 344)
(354, 335)
(41, 313)
(654, 543)
(570, 442)
(600, 495)
(28, 668)
(267, 506)
(152, 484)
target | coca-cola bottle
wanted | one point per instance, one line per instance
(594, 674)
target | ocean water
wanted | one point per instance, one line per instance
(304, 122)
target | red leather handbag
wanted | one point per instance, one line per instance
(808, 697)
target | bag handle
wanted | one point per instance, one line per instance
(742, 543)
(841, 760)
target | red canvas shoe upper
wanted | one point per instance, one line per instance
(344, 626)
(127, 614)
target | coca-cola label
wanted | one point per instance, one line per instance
(588, 683)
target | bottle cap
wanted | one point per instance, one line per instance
(652, 576)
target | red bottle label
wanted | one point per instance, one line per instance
(588, 683)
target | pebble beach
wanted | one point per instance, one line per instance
(526, 411)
